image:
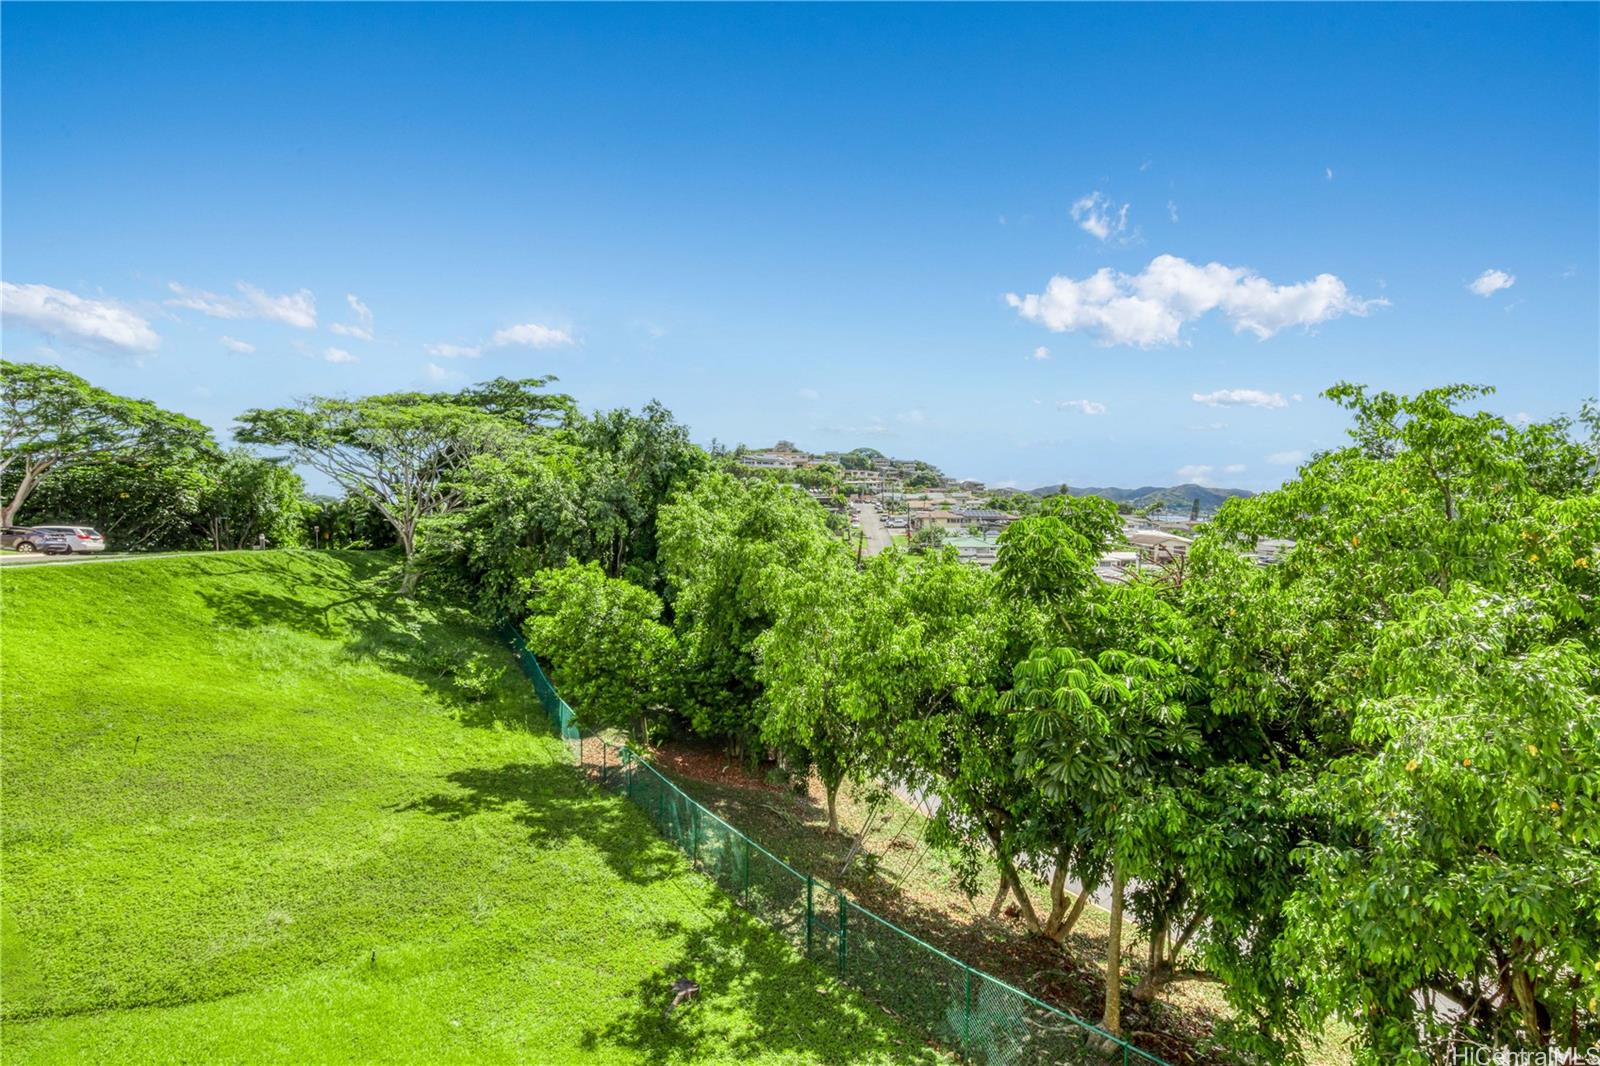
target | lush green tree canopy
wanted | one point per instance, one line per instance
(52, 420)
(723, 544)
(1421, 669)
(404, 452)
(611, 658)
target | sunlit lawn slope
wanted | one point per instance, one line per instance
(256, 809)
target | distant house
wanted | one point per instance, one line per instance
(769, 460)
(980, 551)
(863, 480)
(1157, 547)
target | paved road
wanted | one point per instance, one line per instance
(878, 537)
(41, 559)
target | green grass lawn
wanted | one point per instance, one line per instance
(257, 809)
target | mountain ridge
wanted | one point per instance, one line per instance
(1177, 497)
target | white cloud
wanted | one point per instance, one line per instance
(1087, 407)
(1172, 210)
(362, 330)
(454, 351)
(914, 417)
(1233, 468)
(808, 394)
(239, 347)
(436, 373)
(1491, 281)
(1150, 308)
(1292, 457)
(103, 324)
(1041, 353)
(1240, 398)
(532, 335)
(1296, 397)
(1098, 217)
(1522, 418)
(1198, 474)
(298, 309)
(1328, 173)
(338, 355)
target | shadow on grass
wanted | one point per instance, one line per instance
(353, 597)
(557, 807)
(789, 1005)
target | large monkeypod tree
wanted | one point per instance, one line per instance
(52, 421)
(403, 452)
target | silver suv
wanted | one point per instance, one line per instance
(78, 538)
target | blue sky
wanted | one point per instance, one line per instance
(1102, 245)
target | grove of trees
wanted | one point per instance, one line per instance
(1362, 783)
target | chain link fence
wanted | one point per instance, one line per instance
(967, 1010)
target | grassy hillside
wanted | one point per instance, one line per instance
(255, 809)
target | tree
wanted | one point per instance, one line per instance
(404, 452)
(722, 543)
(136, 504)
(52, 420)
(250, 499)
(610, 656)
(1420, 671)
(590, 489)
(349, 521)
(810, 662)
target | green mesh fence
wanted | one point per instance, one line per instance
(984, 1018)
(562, 718)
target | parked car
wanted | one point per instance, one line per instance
(28, 540)
(78, 538)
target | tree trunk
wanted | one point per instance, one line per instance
(1158, 968)
(1111, 1022)
(1062, 920)
(1064, 928)
(1000, 897)
(833, 811)
(408, 544)
(1030, 917)
(1527, 1004)
(25, 487)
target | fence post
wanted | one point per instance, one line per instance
(966, 1019)
(602, 764)
(627, 772)
(811, 885)
(844, 937)
(744, 893)
(694, 834)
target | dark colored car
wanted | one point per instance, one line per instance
(24, 539)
